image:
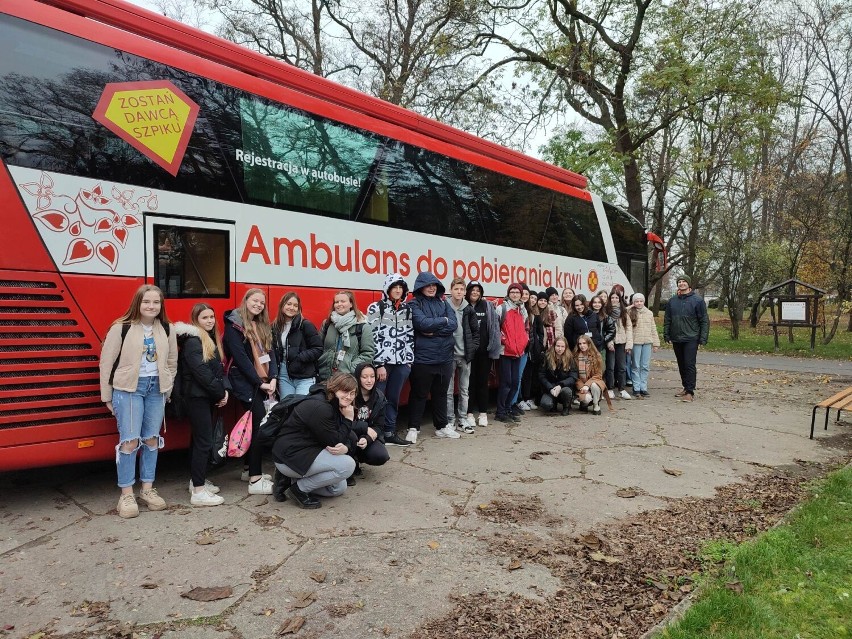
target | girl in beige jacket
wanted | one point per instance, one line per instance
(138, 366)
(645, 339)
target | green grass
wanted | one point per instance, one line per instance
(760, 339)
(795, 580)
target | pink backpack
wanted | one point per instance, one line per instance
(513, 333)
(240, 439)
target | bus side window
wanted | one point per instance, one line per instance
(191, 262)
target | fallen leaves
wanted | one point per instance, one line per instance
(674, 472)
(206, 539)
(318, 577)
(599, 556)
(514, 565)
(97, 609)
(734, 586)
(213, 593)
(433, 545)
(291, 626)
(303, 599)
(539, 454)
(626, 493)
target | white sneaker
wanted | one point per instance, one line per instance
(625, 395)
(531, 405)
(483, 419)
(611, 394)
(203, 498)
(451, 425)
(447, 432)
(411, 435)
(209, 486)
(471, 419)
(262, 486)
(245, 475)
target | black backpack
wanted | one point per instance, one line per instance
(270, 426)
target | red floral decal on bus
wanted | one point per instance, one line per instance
(89, 209)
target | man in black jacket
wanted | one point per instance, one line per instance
(466, 343)
(687, 327)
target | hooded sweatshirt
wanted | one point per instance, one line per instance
(489, 323)
(392, 325)
(434, 323)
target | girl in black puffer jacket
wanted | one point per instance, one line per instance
(298, 347)
(369, 423)
(204, 388)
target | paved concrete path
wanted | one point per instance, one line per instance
(834, 367)
(384, 557)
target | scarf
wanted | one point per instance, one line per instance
(343, 323)
(257, 350)
(616, 312)
(522, 309)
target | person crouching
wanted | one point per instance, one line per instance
(315, 440)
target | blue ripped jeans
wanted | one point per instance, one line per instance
(139, 415)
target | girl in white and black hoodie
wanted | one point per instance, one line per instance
(393, 336)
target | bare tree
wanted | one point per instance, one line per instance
(826, 35)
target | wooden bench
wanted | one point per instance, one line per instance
(840, 401)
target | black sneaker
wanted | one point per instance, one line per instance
(515, 418)
(517, 410)
(504, 418)
(395, 440)
(644, 393)
(565, 411)
(303, 500)
(350, 481)
(280, 484)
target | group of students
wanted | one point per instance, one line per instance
(352, 370)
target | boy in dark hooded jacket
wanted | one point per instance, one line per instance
(434, 325)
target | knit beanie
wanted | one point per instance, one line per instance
(550, 291)
(684, 278)
(516, 286)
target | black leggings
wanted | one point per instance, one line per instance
(201, 414)
(480, 368)
(254, 456)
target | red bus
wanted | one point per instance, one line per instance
(136, 149)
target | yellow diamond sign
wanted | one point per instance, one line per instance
(155, 117)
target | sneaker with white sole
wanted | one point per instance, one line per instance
(152, 499)
(245, 476)
(204, 498)
(209, 486)
(127, 506)
(471, 419)
(447, 432)
(625, 395)
(451, 425)
(262, 486)
(611, 394)
(532, 405)
(483, 420)
(467, 426)
(411, 435)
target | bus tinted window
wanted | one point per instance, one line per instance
(428, 193)
(295, 160)
(573, 230)
(47, 101)
(249, 149)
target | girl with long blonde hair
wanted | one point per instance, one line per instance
(253, 373)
